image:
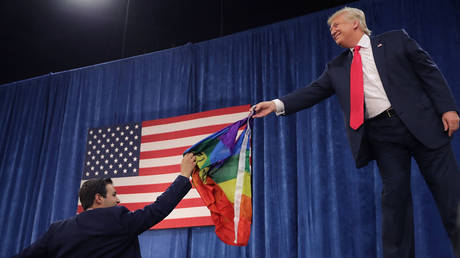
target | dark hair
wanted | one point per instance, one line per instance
(92, 187)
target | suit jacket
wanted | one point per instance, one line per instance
(106, 232)
(413, 83)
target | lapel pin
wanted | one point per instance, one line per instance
(379, 45)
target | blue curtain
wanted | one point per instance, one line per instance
(308, 198)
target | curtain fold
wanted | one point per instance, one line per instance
(309, 200)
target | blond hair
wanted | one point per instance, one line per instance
(352, 14)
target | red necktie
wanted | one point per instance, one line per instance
(356, 91)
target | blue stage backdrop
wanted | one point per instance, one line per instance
(309, 200)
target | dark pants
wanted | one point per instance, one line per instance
(393, 146)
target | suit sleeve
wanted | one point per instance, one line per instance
(433, 81)
(37, 249)
(143, 219)
(308, 96)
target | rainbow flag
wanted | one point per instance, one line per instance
(223, 180)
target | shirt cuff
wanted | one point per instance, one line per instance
(279, 107)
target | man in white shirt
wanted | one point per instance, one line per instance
(396, 106)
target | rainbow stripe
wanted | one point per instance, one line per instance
(223, 180)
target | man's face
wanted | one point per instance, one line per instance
(111, 198)
(343, 31)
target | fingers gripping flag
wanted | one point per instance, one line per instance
(223, 180)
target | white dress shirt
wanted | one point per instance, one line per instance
(375, 97)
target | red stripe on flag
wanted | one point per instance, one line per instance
(147, 188)
(185, 203)
(159, 170)
(183, 133)
(186, 222)
(163, 153)
(215, 112)
(150, 188)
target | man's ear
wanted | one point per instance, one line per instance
(98, 199)
(355, 24)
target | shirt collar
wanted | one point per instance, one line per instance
(364, 42)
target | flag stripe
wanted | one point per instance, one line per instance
(150, 197)
(188, 212)
(183, 133)
(142, 180)
(149, 188)
(164, 161)
(185, 203)
(194, 123)
(163, 153)
(143, 188)
(175, 143)
(210, 113)
(180, 223)
(159, 170)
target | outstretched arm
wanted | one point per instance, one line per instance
(36, 249)
(143, 219)
(297, 100)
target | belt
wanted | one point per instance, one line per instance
(385, 114)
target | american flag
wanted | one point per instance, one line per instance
(143, 159)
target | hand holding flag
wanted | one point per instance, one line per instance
(187, 165)
(262, 109)
(223, 180)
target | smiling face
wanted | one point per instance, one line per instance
(345, 31)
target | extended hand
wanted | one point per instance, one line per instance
(187, 165)
(262, 109)
(450, 120)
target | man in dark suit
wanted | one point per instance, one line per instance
(396, 105)
(105, 229)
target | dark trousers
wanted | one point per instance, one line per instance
(394, 146)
